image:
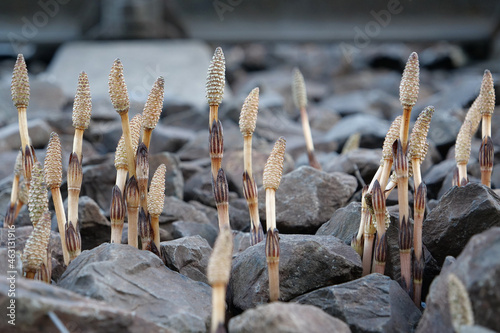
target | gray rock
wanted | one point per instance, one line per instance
(435, 176)
(181, 229)
(39, 132)
(199, 188)
(22, 234)
(306, 263)
(460, 214)
(239, 216)
(372, 129)
(34, 300)
(169, 138)
(478, 269)
(241, 241)
(343, 224)
(307, 198)
(135, 280)
(186, 64)
(286, 317)
(367, 162)
(188, 256)
(444, 129)
(175, 209)
(354, 302)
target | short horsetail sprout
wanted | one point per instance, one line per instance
(300, 100)
(216, 80)
(369, 235)
(53, 179)
(156, 200)
(35, 251)
(152, 109)
(251, 195)
(117, 215)
(378, 203)
(145, 230)
(119, 97)
(133, 201)
(221, 196)
(82, 109)
(248, 121)
(487, 102)
(357, 241)
(38, 201)
(273, 263)
(75, 176)
(461, 313)
(387, 159)
(417, 148)
(142, 174)
(73, 240)
(218, 273)
(486, 155)
(462, 150)
(11, 210)
(418, 266)
(216, 146)
(408, 94)
(273, 170)
(121, 162)
(20, 92)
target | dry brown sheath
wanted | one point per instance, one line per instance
(418, 274)
(145, 230)
(251, 195)
(28, 162)
(152, 109)
(221, 193)
(75, 176)
(20, 92)
(133, 200)
(486, 156)
(418, 264)
(156, 199)
(273, 259)
(404, 241)
(369, 232)
(387, 160)
(380, 254)
(117, 214)
(142, 173)
(216, 147)
(73, 240)
(358, 242)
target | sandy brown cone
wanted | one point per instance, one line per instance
(35, 250)
(38, 201)
(156, 199)
(152, 109)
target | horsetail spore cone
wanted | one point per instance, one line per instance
(152, 109)
(38, 201)
(462, 150)
(418, 145)
(156, 199)
(273, 171)
(20, 92)
(487, 102)
(82, 109)
(35, 251)
(387, 159)
(218, 272)
(248, 121)
(216, 80)
(408, 94)
(121, 162)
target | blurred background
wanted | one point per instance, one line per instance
(351, 53)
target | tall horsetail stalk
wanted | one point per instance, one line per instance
(121, 162)
(369, 233)
(408, 94)
(387, 158)
(53, 179)
(221, 196)
(119, 98)
(300, 99)
(248, 121)
(418, 264)
(487, 106)
(74, 181)
(418, 146)
(156, 199)
(35, 250)
(10, 216)
(20, 92)
(132, 197)
(216, 80)
(273, 170)
(216, 147)
(82, 109)
(218, 273)
(378, 202)
(152, 109)
(117, 215)
(142, 174)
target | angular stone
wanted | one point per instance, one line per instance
(181, 229)
(354, 302)
(436, 175)
(460, 214)
(188, 256)
(307, 198)
(169, 138)
(365, 160)
(35, 299)
(39, 132)
(343, 224)
(478, 269)
(307, 263)
(241, 241)
(136, 280)
(175, 209)
(286, 317)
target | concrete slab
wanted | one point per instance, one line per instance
(183, 64)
